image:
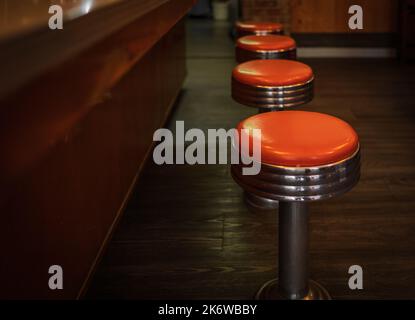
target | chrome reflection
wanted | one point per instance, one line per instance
(301, 184)
(244, 55)
(281, 97)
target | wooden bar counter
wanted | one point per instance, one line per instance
(78, 109)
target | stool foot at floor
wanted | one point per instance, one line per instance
(270, 291)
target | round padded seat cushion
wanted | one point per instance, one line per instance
(266, 43)
(259, 26)
(272, 73)
(301, 139)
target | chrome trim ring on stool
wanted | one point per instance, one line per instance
(268, 47)
(269, 98)
(301, 184)
(302, 179)
(246, 55)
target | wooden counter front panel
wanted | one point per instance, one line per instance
(60, 207)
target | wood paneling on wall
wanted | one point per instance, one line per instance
(331, 16)
(267, 10)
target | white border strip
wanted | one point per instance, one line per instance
(336, 52)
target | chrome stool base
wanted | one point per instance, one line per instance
(270, 291)
(258, 204)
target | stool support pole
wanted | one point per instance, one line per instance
(293, 250)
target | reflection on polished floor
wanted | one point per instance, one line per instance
(187, 234)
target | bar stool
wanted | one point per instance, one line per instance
(265, 47)
(271, 85)
(258, 28)
(306, 156)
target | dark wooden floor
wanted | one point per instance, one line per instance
(187, 233)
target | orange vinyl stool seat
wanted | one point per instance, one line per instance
(265, 47)
(258, 28)
(305, 156)
(303, 139)
(272, 84)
